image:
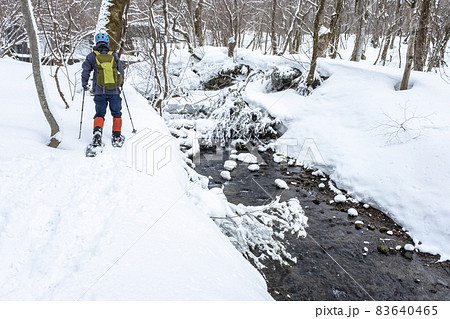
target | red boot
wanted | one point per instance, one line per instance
(117, 138)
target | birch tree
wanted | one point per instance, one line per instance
(30, 26)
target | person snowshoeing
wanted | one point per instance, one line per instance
(106, 85)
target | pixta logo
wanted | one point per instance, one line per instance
(148, 151)
(309, 153)
(251, 154)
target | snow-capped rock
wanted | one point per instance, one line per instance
(278, 158)
(253, 167)
(352, 212)
(340, 198)
(247, 158)
(225, 175)
(229, 165)
(281, 184)
(318, 173)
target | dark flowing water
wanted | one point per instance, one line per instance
(331, 262)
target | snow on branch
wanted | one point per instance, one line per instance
(235, 119)
(258, 231)
(103, 16)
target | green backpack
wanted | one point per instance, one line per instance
(108, 76)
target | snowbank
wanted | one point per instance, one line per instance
(73, 227)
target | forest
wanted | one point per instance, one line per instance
(316, 28)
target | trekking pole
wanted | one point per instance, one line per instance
(126, 103)
(82, 108)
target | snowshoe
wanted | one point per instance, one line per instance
(96, 145)
(117, 141)
(93, 150)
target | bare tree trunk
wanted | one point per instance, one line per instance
(397, 25)
(390, 35)
(236, 22)
(190, 31)
(273, 34)
(165, 89)
(258, 36)
(386, 46)
(165, 51)
(30, 25)
(58, 87)
(411, 40)
(440, 45)
(297, 42)
(198, 23)
(334, 28)
(124, 28)
(317, 23)
(382, 45)
(265, 42)
(444, 41)
(231, 47)
(361, 12)
(154, 58)
(377, 24)
(115, 22)
(420, 45)
(291, 30)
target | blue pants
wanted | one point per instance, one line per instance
(101, 103)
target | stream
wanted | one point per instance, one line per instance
(335, 261)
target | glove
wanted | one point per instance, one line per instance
(86, 88)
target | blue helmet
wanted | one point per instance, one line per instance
(101, 37)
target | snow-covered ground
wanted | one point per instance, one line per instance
(73, 227)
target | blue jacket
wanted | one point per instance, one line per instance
(91, 64)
